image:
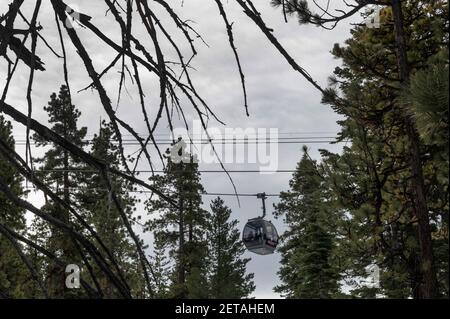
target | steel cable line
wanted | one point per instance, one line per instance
(228, 143)
(149, 192)
(162, 171)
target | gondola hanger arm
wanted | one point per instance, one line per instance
(263, 197)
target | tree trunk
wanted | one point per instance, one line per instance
(66, 242)
(66, 185)
(181, 257)
(429, 285)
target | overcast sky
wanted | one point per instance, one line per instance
(278, 96)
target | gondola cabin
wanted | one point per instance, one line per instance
(260, 236)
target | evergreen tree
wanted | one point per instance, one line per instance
(181, 230)
(428, 98)
(102, 214)
(372, 178)
(307, 269)
(161, 268)
(227, 278)
(197, 282)
(14, 275)
(38, 232)
(392, 174)
(57, 170)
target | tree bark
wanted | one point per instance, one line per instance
(181, 257)
(429, 284)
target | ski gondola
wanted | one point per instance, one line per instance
(260, 236)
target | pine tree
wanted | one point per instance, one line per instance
(307, 269)
(14, 275)
(393, 173)
(227, 278)
(429, 100)
(181, 230)
(374, 177)
(101, 213)
(38, 232)
(57, 170)
(161, 268)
